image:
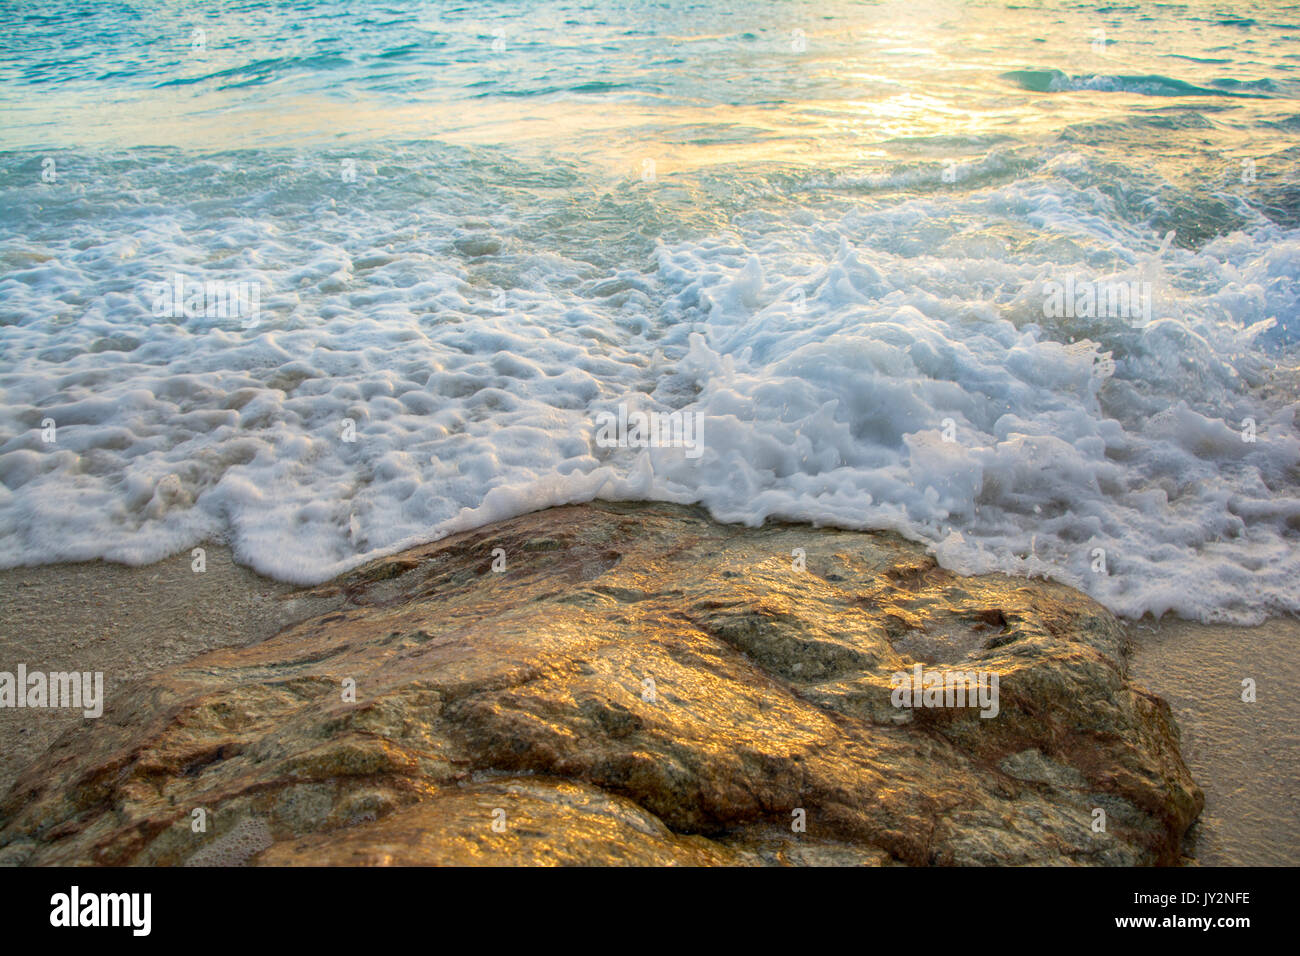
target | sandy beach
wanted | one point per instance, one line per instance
(1245, 756)
(610, 405)
(126, 622)
(130, 622)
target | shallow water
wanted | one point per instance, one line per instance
(839, 232)
(1241, 752)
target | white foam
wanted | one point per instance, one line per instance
(826, 352)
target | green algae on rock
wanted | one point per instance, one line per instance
(639, 685)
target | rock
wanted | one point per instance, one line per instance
(641, 685)
(477, 245)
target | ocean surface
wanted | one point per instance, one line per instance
(326, 279)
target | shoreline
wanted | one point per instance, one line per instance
(131, 622)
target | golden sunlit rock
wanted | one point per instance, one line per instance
(639, 685)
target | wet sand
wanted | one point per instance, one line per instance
(1245, 756)
(126, 622)
(130, 622)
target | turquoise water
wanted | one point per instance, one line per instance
(840, 233)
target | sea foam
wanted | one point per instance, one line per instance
(430, 356)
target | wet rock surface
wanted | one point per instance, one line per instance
(639, 685)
